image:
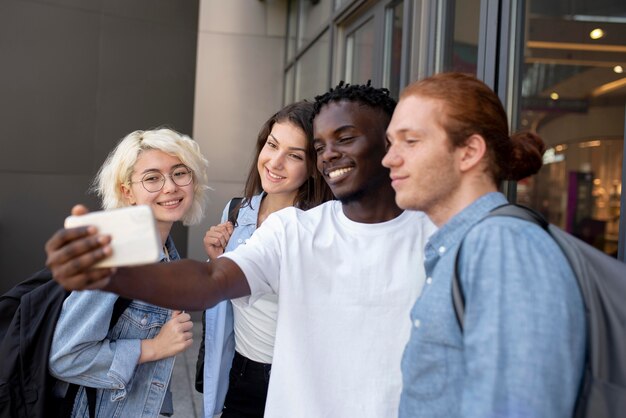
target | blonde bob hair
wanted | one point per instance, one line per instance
(119, 166)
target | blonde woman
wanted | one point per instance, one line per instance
(130, 364)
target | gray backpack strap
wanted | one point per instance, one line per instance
(515, 211)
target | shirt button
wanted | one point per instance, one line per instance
(442, 249)
(429, 280)
(417, 323)
(144, 321)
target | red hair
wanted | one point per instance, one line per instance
(471, 107)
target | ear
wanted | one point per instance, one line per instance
(128, 194)
(472, 152)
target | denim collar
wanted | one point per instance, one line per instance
(453, 231)
(171, 250)
(250, 216)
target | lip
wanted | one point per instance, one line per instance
(397, 180)
(344, 170)
(269, 176)
(170, 203)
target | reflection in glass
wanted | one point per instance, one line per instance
(292, 27)
(575, 100)
(312, 69)
(288, 92)
(360, 53)
(462, 54)
(314, 14)
(394, 17)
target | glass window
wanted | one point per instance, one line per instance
(288, 90)
(461, 51)
(314, 14)
(292, 28)
(312, 69)
(573, 94)
(360, 53)
(394, 17)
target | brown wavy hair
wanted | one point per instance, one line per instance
(471, 107)
(314, 190)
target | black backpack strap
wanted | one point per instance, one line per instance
(509, 209)
(233, 209)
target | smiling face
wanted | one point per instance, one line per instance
(170, 203)
(282, 161)
(349, 140)
(424, 168)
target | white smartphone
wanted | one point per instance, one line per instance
(134, 236)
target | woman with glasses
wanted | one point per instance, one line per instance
(131, 363)
(283, 173)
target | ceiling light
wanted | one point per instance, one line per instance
(597, 33)
(554, 95)
(618, 69)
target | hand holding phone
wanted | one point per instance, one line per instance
(134, 235)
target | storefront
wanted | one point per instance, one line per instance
(558, 67)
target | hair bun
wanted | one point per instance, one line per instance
(527, 157)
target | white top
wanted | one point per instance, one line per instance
(255, 328)
(346, 290)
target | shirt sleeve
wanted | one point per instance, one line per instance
(82, 354)
(524, 325)
(260, 258)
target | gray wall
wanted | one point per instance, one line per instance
(75, 77)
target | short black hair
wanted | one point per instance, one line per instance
(377, 98)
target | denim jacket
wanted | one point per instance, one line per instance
(219, 337)
(521, 351)
(86, 353)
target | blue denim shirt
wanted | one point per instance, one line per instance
(85, 352)
(219, 340)
(521, 353)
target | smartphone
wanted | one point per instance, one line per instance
(134, 235)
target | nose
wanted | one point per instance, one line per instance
(277, 160)
(329, 153)
(169, 185)
(391, 158)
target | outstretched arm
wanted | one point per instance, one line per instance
(184, 284)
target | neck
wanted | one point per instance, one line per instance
(272, 203)
(470, 190)
(372, 207)
(164, 230)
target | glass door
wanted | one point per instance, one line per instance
(573, 94)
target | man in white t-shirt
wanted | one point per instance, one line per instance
(347, 272)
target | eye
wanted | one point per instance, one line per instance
(152, 178)
(345, 138)
(319, 149)
(180, 173)
(296, 157)
(271, 144)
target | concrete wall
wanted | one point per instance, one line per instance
(75, 77)
(238, 86)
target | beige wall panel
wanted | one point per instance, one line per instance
(238, 86)
(233, 16)
(237, 89)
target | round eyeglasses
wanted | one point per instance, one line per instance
(154, 180)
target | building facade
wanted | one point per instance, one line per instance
(78, 75)
(558, 67)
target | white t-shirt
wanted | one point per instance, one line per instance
(345, 291)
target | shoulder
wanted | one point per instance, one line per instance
(497, 230)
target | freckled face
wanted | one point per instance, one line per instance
(170, 203)
(282, 161)
(424, 168)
